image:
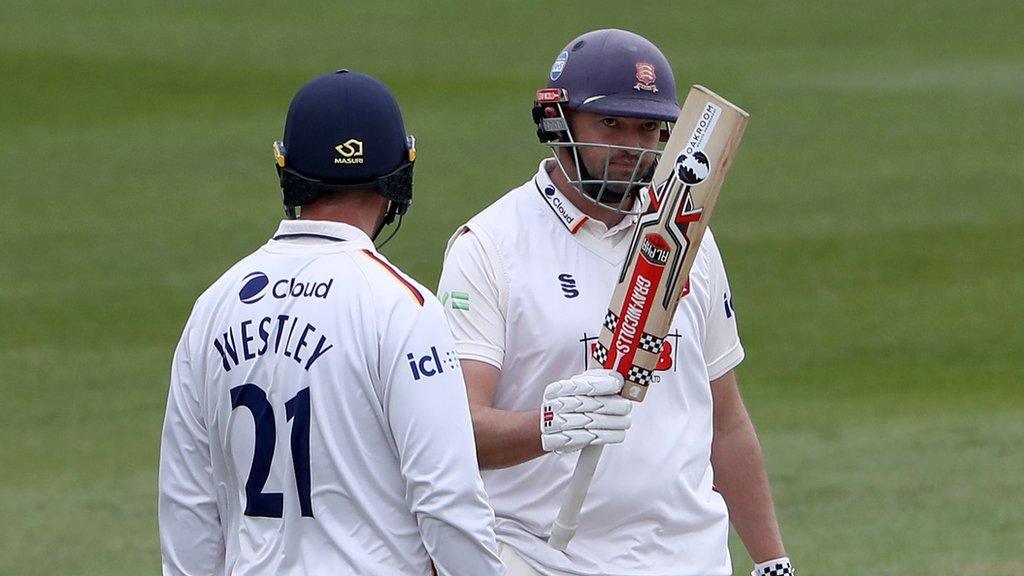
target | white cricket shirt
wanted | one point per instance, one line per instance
(317, 422)
(526, 284)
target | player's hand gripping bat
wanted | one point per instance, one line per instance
(657, 268)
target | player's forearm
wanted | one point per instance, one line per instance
(505, 438)
(741, 479)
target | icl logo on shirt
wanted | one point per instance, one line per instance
(430, 364)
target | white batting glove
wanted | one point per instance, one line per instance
(584, 410)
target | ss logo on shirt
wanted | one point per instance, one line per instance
(568, 285)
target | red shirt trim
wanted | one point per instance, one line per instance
(401, 279)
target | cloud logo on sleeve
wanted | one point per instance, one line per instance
(254, 286)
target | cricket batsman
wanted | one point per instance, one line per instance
(526, 284)
(317, 420)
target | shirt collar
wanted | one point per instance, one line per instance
(568, 214)
(320, 231)
(563, 209)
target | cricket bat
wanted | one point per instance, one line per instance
(656, 273)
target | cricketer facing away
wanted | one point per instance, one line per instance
(317, 421)
(526, 284)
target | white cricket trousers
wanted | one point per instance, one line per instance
(514, 562)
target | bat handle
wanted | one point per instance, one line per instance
(568, 519)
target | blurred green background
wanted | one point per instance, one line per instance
(872, 225)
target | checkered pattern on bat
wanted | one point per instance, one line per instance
(600, 353)
(641, 376)
(775, 569)
(609, 321)
(650, 343)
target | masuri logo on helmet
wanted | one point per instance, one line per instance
(351, 152)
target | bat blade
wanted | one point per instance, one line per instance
(656, 273)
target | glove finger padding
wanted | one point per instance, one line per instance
(572, 421)
(572, 440)
(608, 422)
(613, 405)
(598, 382)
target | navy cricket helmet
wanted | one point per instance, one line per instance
(612, 73)
(616, 73)
(344, 131)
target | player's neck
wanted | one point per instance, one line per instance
(607, 216)
(362, 211)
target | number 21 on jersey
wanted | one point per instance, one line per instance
(271, 504)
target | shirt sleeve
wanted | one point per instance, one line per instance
(722, 348)
(191, 539)
(428, 412)
(473, 292)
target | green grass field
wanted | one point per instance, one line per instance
(873, 228)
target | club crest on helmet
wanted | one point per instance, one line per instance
(645, 77)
